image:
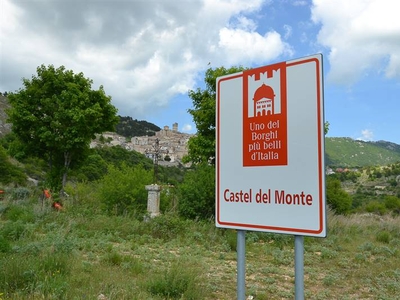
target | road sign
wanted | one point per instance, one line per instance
(270, 149)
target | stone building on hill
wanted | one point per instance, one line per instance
(172, 144)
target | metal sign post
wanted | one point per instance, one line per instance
(241, 264)
(299, 267)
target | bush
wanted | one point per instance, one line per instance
(337, 198)
(392, 203)
(376, 208)
(20, 193)
(123, 189)
(166, 227)
(197, 193)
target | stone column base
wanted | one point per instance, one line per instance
(153, 200)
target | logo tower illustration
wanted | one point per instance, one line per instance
(265, 116)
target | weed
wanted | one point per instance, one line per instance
(231, 239)
(179, 281)
(19, 213)
(20, 193)
(383, 237)
(18, 273)
(5, 245)
(113, 258)
(13, 230)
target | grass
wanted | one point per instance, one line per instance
(83, 254)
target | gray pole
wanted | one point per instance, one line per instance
(241, 264)
(299, 267)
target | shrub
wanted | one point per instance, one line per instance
(392, 203)
(376, 207)
(197, 193)
(337, 198)
(165, 227)
(124, 188)
(20, 193)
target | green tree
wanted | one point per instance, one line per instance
(202, 146)
(56, 115)
(337, 198)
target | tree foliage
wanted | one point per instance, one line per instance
(56, 114)
(202, 146)
(326, 127)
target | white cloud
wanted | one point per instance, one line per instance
(239, 45)
(366, 135)
(300, 3)
(142, 54)
(361, 35)
(288, 31)
(187, 128)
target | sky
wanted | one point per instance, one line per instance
(148, 54)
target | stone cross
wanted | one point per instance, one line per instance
(153, 197)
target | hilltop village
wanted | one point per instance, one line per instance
(172, 144)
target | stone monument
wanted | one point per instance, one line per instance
(153, 199)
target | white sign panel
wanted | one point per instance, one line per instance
(270, 149)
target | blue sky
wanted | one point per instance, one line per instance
(148, 54)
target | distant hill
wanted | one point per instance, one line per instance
(346, 152)
(129, 127)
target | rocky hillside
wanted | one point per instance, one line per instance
(4, 127)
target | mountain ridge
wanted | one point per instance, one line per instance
(347, 152)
